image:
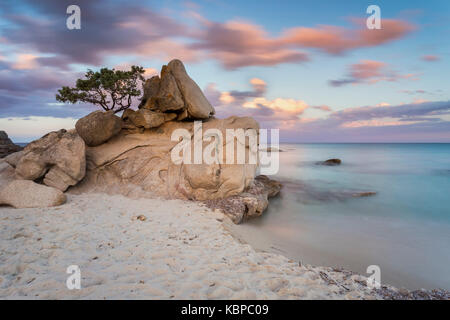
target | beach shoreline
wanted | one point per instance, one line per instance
(155, 249)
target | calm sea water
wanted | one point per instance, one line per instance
(404, 228)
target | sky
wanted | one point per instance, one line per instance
(309, 68)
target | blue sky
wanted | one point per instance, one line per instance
(310, 68)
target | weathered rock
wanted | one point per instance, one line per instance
(14, 158)
(144, 159)
(331, 162)
(176, 92)
(98, 127)
(144, 118)
(28, 194)
(6, 172)
(59, 157)
(197, 106)
(151, 89)
(6, 145)
(250, 203)
(169, 97)
(172, 116)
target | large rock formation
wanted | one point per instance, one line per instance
(98, 127)
(144, 159)
(59, 157)
(7, 146)
(176, 92)
(142, 153)
(28, 194)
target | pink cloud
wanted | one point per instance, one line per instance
(430, 58)
(238, 44)
(375, 123)
(370, 72)
(156, 34)
(367, 69)
(25, 62)
(323, 108)
(336, 40)
(278, 112)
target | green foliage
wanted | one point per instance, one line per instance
(111, 89)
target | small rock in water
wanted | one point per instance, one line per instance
(330, 162)
(364, 194)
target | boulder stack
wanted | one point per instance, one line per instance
(133, 154)
(175, 92)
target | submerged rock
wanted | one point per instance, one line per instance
(98, 127)
(7, 146)
(59, 157)
(271, 149)
(28, 194)
(250, 203)
(364, 194)
(330, 162)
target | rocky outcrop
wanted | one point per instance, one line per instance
(144, 159)
(330, 162)
(59, 158)
(7, 146)
(142, 153)
(98, 127)
(28, 194)
(250, 203)
(139, 159)
(176, 92)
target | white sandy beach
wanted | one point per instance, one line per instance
(180, 250)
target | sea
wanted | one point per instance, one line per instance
(320, 219)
